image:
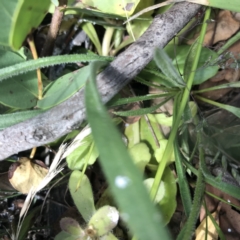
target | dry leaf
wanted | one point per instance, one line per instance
(227, 75)
(201, 230)
(221, 29)
(24, 174)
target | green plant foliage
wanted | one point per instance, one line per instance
(232, 6)
(63, 88)
(77, 10)
(165, 65)
(204, 71)
(141, 155)
(81, 192)
(138, 27)
(143, 5)
(104, 220)
(166, 195)
(108, 236)
(146, 135)
(30, 65)
(18, 19)
(163, 119)
(71, 226)
(160, 151)
(28, 222)
(92, 34)
(183, 60)
(117, 7)
(7, 120)
(19, 91)
(124, 178)
(86, 152)
(65, 236)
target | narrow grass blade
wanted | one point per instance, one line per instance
(124, 178)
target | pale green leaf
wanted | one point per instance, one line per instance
(63, 88)
(81, 192)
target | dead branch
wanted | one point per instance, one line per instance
(65, 117)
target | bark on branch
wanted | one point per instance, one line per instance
(63, 118)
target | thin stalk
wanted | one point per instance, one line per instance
(229, 43)
(169, 147)
(188, 229)
(107, 40)
(39, 75)
(197, 202)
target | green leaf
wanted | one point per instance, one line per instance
(92, 34)
(18, 18)
(20, 91)
(146, 134)
(7, 120)
(104, 220)
(132, 133)
(186, 57)
(226, 5)
(232, 109)
(169, 203)
(108, 236)
(63, 88)
(65, 236)
(165, 64)
(141, 155)
(71, 226)
(160, 151)
(182, 180)
(28, 222)
(82, 194)
(163, 119)
(138, 27)
(30, 65)
(86, 152)
(90, 12)
(117, 7)
(123, 177)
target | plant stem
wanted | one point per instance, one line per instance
(53, 29)
(35, 56)
(169, 147)
(197, 201)
(107, 40)
(229, 43)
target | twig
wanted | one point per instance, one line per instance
(65, 117)
(53, 30)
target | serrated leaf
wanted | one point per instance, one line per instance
(7, 120)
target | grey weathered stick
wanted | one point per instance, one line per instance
(65, 117)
